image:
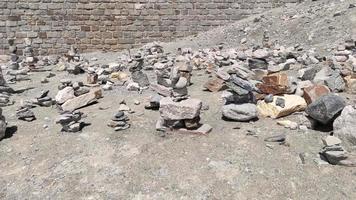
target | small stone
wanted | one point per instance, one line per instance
(280, 102)
(268, 98)
(44, 80)
(255, 63)
(92, 78)
(288, 124)
(124, 107)
(182, 83)
(331, 141)
(276, 138)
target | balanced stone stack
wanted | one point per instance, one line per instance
(239, 100)
(137, 74)
(43, 99)
(119, 121)
(14, 59)
(2, 125)
(72, 55)
(5, 91)
(30, 59)
(70, 121)
(25, 113)
(183, 116)
(335, 154)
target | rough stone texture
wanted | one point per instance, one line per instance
(242, 112)
(314, 92)
(82, 100)
(293, 103)
(54, 25)
(186, 109)
(2, 125)
(326, 108)
(345, 126)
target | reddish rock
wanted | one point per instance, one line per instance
(312, 93)
(274, 84)
(215, 85)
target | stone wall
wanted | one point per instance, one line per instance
(91, 25)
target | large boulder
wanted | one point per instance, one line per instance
(242, 112)
(326, 108)
(185, 109)
(345, 126)
(275, 109)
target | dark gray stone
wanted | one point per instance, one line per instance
(326, 108)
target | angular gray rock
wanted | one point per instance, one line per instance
(345, 126)
(242, 112)
(185, 109)
(326, 108)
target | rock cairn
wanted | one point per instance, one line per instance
(119, 121)
(30, 60)
(3, 125)
(25, 113)
(43, 99)
(5, 92)
(71, 121)
(14, 59)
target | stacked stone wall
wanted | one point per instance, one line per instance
(111, 25)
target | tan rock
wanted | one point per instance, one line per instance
(82, 100)
(121, 76)
(215, 85)
(293, 103)
(351, 84)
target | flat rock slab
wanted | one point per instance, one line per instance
(293, 103)
(185, 109)
(82, 100)
(202, 130)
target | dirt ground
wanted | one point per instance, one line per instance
(232, 162)
(140, 163)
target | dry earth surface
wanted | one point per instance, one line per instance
(141, 163)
